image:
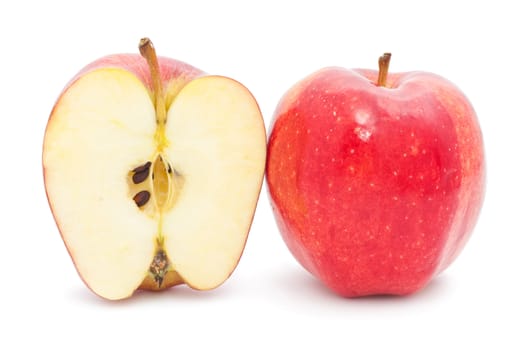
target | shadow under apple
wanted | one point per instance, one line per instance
(302, 287)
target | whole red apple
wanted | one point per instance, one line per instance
(376, 179)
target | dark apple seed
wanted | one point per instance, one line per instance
(140, 177)
(141, 173)
(141, 198)
(143, 167)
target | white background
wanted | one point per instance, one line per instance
(270, 301)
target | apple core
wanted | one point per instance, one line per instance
(164, 182)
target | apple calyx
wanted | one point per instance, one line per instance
(159, 266)
(384, 62)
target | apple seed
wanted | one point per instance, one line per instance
(141, 173)
(141, 198)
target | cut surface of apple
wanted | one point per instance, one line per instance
(143, 202)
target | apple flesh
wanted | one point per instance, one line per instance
(376, 185)
(152, 171)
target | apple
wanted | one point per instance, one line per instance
(153, 171)
(376, 180)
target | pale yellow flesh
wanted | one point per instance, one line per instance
(218, 144)
(103, 127)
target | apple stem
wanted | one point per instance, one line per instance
(147, 50)
(384, 62)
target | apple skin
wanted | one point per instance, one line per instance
(174, 75)
(375, 190)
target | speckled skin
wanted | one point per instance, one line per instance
(375, 189)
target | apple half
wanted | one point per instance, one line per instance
(152, 172)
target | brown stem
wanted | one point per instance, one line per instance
(147, 50)
(384, 61)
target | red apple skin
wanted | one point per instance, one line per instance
(375, 190)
